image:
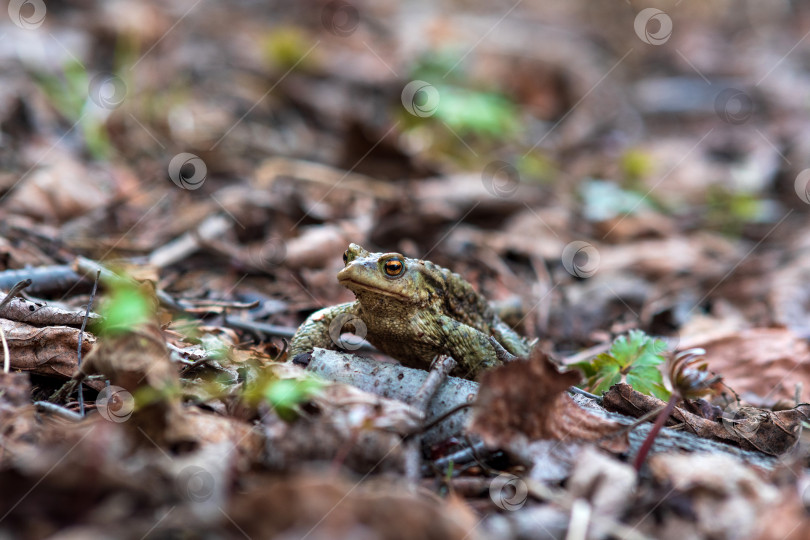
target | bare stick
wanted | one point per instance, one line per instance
(439, 371)
(81, 336)
(45, 278)
(57, 410)
(14, 291)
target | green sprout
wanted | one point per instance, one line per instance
(128, 308)
(634, 359)
(285, 395)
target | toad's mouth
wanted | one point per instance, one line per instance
(351, 284)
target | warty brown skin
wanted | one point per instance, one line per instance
(412, 310)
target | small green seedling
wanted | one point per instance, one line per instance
(285, 395)
(128, 308)
(634, 359)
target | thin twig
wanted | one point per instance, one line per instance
(14, 291)
(81, 336)
(581, 392)
(444, 416)
(57, 410)
(6, 355)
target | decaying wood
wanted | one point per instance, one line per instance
(672, 440)
(384, 379)
(398, 382)
(438, 373)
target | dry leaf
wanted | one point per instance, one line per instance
(362, 430)
(50, 351)
(327, 506)
(750, 428)
(768, 362)
(22, 310)
(719, 496)
(528, 399)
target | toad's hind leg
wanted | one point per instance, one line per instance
(470, 347)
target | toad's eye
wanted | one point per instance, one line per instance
(394, 267)
(346, 257)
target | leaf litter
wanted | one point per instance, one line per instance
(619, 193)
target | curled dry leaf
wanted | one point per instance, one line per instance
(750, 428)
(22, 310)
(763, 361)
(49, 351)
(528, 399)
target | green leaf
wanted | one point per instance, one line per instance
(604, 381)
(284, 395)
(635, 357)
(587, 368)
(127, 308)
(475, 112)
(644, 380)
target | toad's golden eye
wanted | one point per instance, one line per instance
(394, 267)
(346, 257)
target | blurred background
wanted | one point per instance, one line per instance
(592, 167)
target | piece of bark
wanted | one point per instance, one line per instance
(750, 428)
(527, 400)
(437, 375)
(49, 351)
(401, 383)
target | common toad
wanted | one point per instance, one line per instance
(412, 310)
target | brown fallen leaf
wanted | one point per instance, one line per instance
(328, 506)
(703, 496)
(36, 314)
(528, 399)
(50, 351)
(62, 188)
(787, 520)
(750, 428)
(768, 362)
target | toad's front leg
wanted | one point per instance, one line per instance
(323, 329)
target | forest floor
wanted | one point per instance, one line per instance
(625, 183)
